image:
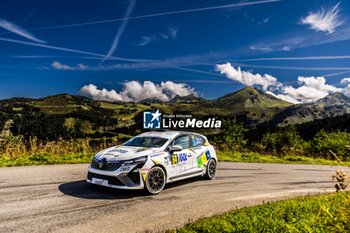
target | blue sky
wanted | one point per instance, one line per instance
(83, 47)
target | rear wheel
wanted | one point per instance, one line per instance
(210, 170)
(155, 180)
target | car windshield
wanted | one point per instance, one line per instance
(146, 142)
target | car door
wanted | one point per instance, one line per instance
(181, 161)
(199, 149)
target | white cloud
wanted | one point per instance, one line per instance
(145, 40)
(347, 88)
(345, 81)
(318, 83)
(246, 77)
(283, 97)
(136, 91)
(310, 89)
(103, 94)
(11, 27)
(171, 33)
(304, 94)
(60, 66)
(324, 20)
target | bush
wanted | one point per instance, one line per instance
(232, 136)
(336, 141)
(282, 140)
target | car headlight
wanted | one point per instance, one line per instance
(138, 161)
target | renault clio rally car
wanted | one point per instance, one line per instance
(153, 159)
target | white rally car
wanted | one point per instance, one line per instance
(150, 160)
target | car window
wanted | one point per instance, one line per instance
(197, 141)
(146, 142)
(183, 141)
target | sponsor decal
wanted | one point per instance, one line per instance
(157, 120)
(178, 158)
(203, 158)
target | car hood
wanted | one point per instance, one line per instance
(124, 153)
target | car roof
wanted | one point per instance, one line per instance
(166, 133)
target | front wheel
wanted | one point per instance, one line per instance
(155, 180)
(210, 170)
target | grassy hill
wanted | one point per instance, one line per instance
(251, 103)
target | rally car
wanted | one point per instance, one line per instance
(153, 159)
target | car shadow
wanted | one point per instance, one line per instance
(82, 189)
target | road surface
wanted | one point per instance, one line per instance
(56, 198)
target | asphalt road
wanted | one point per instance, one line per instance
(57, 199)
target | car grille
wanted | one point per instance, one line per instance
(111, 180)
(105, 166)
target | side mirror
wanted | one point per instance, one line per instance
(175, 148)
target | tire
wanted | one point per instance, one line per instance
(155, 180)
(210, 170)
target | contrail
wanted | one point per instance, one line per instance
(70, 50)
(296, 58)
(155, 15)
(120, 30)
(336, 74)
(295, 68)
(13, 28)
(198, 71)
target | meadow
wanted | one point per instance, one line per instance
(324, 213)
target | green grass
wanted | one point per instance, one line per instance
(253, 157)
(324, 213)
(42, 159)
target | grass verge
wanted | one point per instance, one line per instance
(324, 213)
(42, 159)
(253, 157)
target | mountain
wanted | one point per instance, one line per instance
(251, 103)
(67, 116)
(150, 101)
(186, 99)
(332, 105)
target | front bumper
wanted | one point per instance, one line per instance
(116, 179)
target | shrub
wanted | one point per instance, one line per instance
(282, 140)
(336, 141)
(233, 135)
